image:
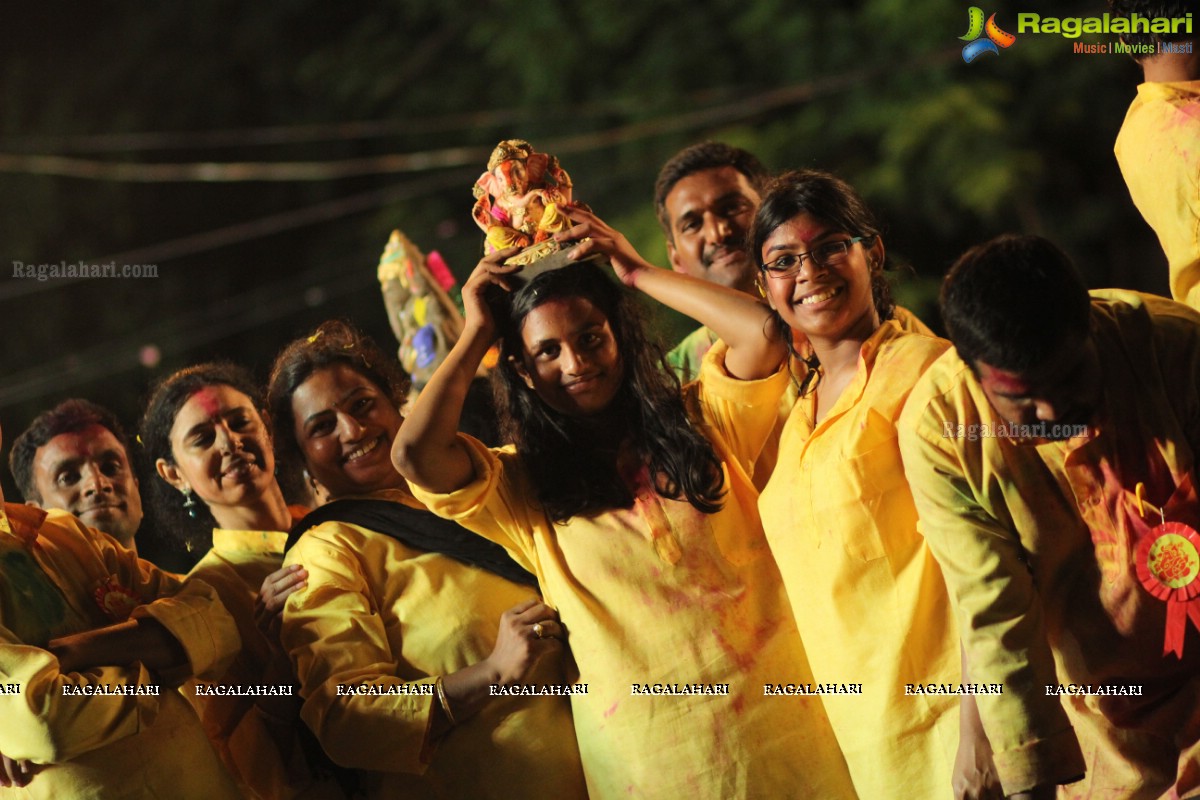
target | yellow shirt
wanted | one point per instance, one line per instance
(1158, 150)
(656, 598)
(868, 597)
(1037, 543)
(379, 613)
(256, 739)
(688, 356)
(52, 570)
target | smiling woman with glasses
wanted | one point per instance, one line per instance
(827, 255)
(867, 596)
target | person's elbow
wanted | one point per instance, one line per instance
(407, 457)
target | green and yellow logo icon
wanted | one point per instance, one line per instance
(996, 40)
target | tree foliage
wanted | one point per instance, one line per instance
(949, 153)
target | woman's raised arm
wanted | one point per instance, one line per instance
(427, 451)
(738, 319)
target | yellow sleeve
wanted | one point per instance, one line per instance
(999, 612)
(1177, 346)
(496, 504)
(742, 413)
(335, 636)
(191, 612)
(46, 726)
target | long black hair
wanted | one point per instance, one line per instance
(167, 397)
(830, 200)
(572, 471)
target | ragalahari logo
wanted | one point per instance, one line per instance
(996, 38)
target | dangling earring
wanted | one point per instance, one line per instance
(189, 503)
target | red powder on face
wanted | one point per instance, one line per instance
(798, 232)
(74, 445)
(1002, 381)
(208, 401)
(809, 232)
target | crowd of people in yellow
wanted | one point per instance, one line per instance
(815, 551)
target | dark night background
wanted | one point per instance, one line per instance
(400, 103)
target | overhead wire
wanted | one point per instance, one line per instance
(247, 231)
(396, 163)
(184, 332)
(267, 304)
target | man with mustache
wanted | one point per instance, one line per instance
(705, 197)
(76, 457)
(1051, 455)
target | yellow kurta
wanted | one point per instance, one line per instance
(688, 356)
(1158, 150)
(868, 597)
(51, 567)
(380, 613)
(1037, 543)
(661, 594)
(258, 743)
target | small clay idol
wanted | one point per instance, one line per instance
(520, 200)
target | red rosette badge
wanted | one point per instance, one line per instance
(1168, 565)
(115, 600)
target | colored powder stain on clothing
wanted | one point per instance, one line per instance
(596, 571)
(866, 595)
(1058, 538)
(43, 610)
(1154, 151)
(743, 653)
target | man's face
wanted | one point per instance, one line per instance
(709, 213)
(87, 473)
(1065, 390)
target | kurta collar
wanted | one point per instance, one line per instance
(249, 541)
(866, 360)
(256, 541)
(402, 496)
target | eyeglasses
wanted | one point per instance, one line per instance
(830, 254)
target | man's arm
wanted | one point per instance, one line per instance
(201, 639)
(998, 608)
(54, 717)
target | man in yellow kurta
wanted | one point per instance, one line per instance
(377, 624)
(1025, 448)
(140, 739)
(677, 620)
(1158, 148)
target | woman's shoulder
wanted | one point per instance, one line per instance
(906, 349)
